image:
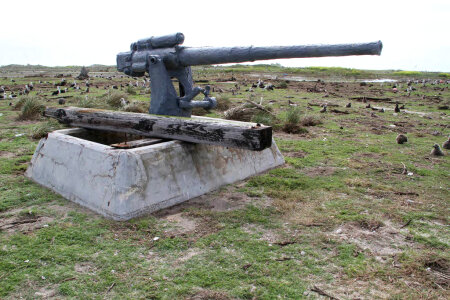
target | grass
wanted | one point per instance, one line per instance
(31, 108)
(339, 215)
(114, 99)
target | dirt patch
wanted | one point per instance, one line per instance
(183, 223)
(208, 295)
(68, 206)
(24, 223)
(225, 199)
(46, 293)
(439, 271)
(358, 289)
(85, 268)
(266, 234)
(381, 241)
(186, 256)
(5, 154)
(319, 171)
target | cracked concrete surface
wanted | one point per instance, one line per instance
(122, 184)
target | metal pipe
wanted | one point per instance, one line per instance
(222, 55)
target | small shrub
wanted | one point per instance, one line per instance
(198, 111)
(18, 105)
(293, 128)
(86, 102)
(41, 130)
(114, 99)
(223, 103)
(283, 85)
(136, 107)
(293, 115)
(32, 108)
(292, 122)
(263, 118)
(131, 90)
(310, 121)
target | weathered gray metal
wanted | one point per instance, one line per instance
(163, 58)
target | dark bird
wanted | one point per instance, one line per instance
(368, 105)
(396, 109)
(382, 110)
(402, 107)
(446, 144)
(437, 150)
(324, 108)
(349, 104)
(401, 139)
(55, 93)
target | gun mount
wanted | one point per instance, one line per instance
(163, 58)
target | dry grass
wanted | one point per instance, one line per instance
(31, 109)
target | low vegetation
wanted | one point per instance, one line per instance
(351, 214)
(31, 108)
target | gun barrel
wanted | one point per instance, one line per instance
(222, 55)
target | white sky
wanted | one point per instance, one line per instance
(415, 34)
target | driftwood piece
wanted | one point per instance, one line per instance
(205, 131)
(337, 111)
(372, 99)
(322, 104)
(259, 106)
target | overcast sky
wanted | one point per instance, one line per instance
(415, 34)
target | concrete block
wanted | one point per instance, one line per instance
(122, 184)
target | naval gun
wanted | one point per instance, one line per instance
(163, 58)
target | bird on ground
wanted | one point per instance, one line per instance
(54, 93)
(437, 150)
(349, 104)
(368, 105)
(382, 110)
(324, 108)
(402, 107)
(446, 144)
(396, 109)
(401, 139)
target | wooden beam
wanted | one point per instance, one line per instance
(220, 132)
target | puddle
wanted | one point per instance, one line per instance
(378, 80)
(311, 79)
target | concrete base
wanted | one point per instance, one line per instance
(122, 184)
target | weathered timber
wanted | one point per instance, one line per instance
(372, 99)
(189, 130)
